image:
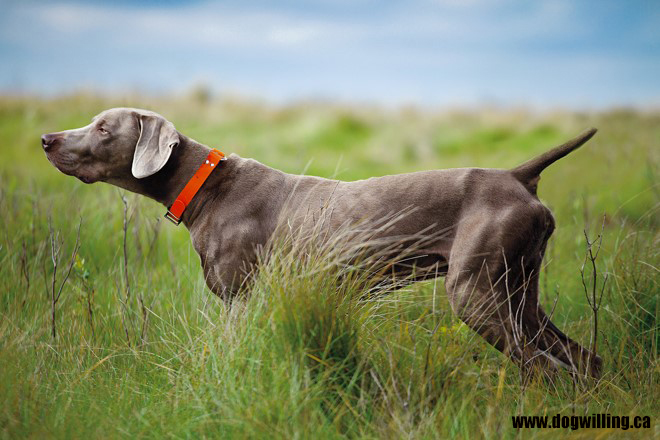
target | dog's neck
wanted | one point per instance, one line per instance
(184, 161)
(166, 184)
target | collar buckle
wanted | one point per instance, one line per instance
(173, 218)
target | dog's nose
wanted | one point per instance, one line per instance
(47, 141)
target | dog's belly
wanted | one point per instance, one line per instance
(412, 216)
(418, 267)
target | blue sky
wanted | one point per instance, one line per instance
(544, 53)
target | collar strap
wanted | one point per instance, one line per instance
(186, 195)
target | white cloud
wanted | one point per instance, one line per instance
(206, 25)
(211, 25)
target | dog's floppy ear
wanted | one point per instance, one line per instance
(154, 146)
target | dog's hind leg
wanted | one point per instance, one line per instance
(482, 289)
(492, 283)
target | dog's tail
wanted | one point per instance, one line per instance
(528, 173)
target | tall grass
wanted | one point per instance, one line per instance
(307, 349)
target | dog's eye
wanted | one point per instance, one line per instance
(103, 130)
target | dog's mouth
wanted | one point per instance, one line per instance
(63, 162)
(69, 166)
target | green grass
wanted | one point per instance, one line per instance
(303, 354)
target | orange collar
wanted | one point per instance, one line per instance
(186, 195)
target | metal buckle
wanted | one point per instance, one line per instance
(171, 217)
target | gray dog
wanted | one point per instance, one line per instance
(494, 228)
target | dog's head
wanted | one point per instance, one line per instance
(119, 143)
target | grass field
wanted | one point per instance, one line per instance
(152, 353)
